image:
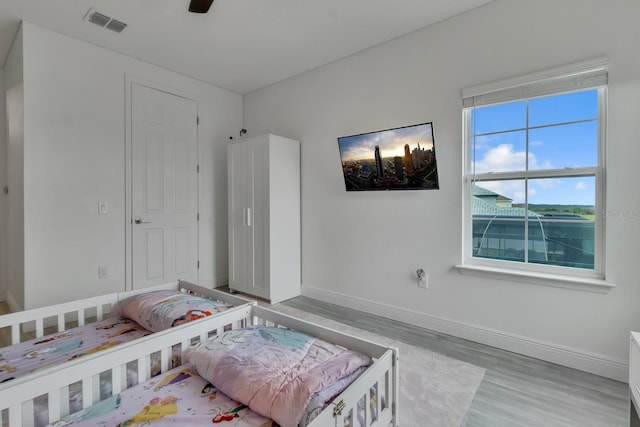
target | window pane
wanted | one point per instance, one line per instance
(498, 225)
(564, 232)
(562, 243)
(565, 146)
(560, 196)
(498, 238)
(497, 118)
(499, 197)
(564, 108)
(560, 221)
(503, 152)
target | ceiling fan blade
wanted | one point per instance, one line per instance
(200, 6)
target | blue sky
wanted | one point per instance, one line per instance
(391, 142)
(501, 145)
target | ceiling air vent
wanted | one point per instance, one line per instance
(104, 21)
(115, 25)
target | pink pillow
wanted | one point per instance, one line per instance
(160, 310)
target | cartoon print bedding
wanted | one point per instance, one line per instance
(40, 353)
(178, 398)
(261, 376)
(160, 310)
(152, 312)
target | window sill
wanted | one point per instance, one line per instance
(568, 282)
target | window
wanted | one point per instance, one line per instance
(534, 173)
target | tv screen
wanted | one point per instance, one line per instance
(402, 158)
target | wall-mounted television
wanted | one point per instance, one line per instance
(402, 158)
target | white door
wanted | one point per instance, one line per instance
(164, 181)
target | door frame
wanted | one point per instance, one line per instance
(128, 129)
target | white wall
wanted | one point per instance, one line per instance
(362, 249)
(3, 182)
(14, 94)
(74, 156)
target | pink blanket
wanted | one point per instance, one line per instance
(274, 371)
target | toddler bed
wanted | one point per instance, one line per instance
(217, 382)
(103, 322)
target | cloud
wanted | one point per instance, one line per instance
(502, 158)
(581, 185)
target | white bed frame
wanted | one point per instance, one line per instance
(38, 322)
(17, 403)
(92, 309)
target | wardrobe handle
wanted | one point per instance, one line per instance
(247, 217)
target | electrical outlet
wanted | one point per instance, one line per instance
(423, 278)
(423, 282)
(103, 272)
(103, 207)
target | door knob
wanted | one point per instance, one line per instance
(140, 221)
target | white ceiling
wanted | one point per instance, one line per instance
(240, 45)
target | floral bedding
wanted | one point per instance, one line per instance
(40, 353)
(291, 374)
(141, 315)
(179, 397)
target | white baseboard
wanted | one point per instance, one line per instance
(562, 355)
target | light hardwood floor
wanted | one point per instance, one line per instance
(517, 391)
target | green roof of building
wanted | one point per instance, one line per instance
(483, 208)
(483, 192)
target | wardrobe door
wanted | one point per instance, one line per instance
(259, 284)
(240, 238)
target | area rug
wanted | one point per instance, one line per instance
(435, 390)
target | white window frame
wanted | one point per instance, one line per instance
(590, 74)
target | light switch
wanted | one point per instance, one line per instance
(103, 272)
(103, 207)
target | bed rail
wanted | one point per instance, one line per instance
(29, 324)
(201, 291)
(371, 400)
(17, 402)
(34, 323)
(267, 317)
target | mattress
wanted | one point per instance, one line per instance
(138, 316)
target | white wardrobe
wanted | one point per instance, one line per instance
(264, 217)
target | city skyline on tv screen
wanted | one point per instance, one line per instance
(402, 158)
